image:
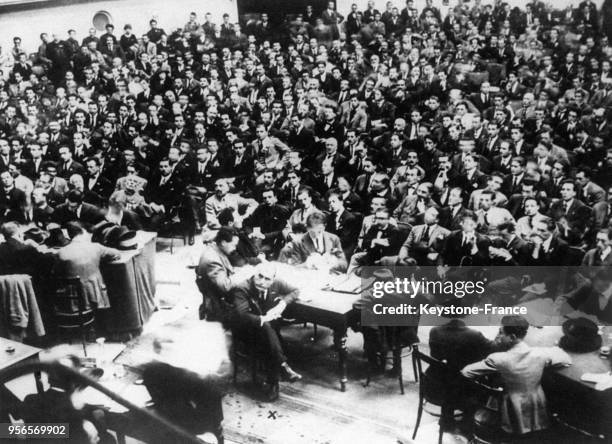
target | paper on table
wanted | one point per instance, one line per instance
(136, 394)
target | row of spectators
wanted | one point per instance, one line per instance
(475, 136)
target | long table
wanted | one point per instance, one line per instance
(130, 283)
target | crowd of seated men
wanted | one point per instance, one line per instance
(474, 136)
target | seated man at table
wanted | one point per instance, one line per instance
(215, 275)
(258, 302)
(591, 296)
(317, 248)
(523, 409)
(458, 345)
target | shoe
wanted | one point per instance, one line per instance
(271, 393)
(289, 374)
(191, 239)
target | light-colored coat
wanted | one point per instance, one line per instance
(83, 258)
(523, 408)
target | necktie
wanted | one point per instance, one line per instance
(567, 207)
(426, 234)
(318, 245)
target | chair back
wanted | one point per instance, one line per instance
(433, 382)
(69, 308)
(433, 363)
(487, 418)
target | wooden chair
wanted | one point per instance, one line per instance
(487, 419)
(427, 394)
(391, 336)
(69, 309)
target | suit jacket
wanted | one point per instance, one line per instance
(215, 279)
(523, 408)
(408, 213)
(593, 258)
(90, 215)
(99, 193)
(19, 258)
(356, 120)
(299, 250)
(10, 201)
(417, 247)
(83, 259)
(347, 230)
(592, 194)
(557, 254)
(169, 194)
(455, 253)
(249, 307)
(447, 220)
(74, 168)
(579, 218)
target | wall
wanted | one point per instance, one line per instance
(169, 13)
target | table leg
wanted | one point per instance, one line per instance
(340, 343)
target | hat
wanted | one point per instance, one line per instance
(580, 335)
(36, 234)
(127, 241)
(112, 234)
(383, 274)
(56, 237)
(99, 230)
(120, 237)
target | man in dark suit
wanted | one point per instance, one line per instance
(165, 195)
(97, 187)
(68, 166)
(258, 302)
(380, 243)
(574, 217)
(18, 257)
(424, 242)
(547, 248)
(452, 215)
(342, 223)
(466, 246)
(267, 223)
(457, 345)
(74, 209)
(10, 196)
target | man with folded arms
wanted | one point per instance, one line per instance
(258, 302)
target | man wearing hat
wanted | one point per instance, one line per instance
(523, 409)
